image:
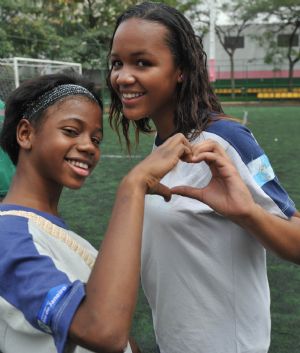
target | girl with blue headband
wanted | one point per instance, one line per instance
(56, 293)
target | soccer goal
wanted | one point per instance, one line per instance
(14, 71)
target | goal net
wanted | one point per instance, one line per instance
(14, 71)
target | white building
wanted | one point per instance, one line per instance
(249, 57)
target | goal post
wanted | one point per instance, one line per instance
(14, 71)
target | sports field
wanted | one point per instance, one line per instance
(277, 129)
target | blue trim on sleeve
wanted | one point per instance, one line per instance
(30, 281)
(51, 302)
(243, 141)
(278, 194)
(65, 313)
(57, 311)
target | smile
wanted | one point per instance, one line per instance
(82, 169)
(131, 95)
(78, 164)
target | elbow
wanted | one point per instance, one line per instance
(102, 337)
(295, 259)
(291, 256)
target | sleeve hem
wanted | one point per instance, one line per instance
(63, 317)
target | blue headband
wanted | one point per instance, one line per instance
(50, 97)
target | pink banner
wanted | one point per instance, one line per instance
(256, 74)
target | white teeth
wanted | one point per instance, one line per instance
(131, 95)
(78, 164)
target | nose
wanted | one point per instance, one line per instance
(86, 145)
(124, 76)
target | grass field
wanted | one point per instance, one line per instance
(277, 129)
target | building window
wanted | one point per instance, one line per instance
(283, 40)
(234, 42)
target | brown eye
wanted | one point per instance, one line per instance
(96, 141)
(115, 64)
(143, 63)
(70, 132)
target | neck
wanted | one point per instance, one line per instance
(164, 122)
(28, 191)
(164, 128)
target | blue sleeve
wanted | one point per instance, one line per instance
(254, 158)
(32, 284)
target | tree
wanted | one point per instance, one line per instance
(24, 33)
(228, 35)
(69, 30)
(94, 21)
(286, 18)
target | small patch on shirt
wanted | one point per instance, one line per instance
(261, 170)
(46, 312)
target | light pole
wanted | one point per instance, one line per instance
(212, 49)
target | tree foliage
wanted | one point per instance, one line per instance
(23, 31)
(239, 21)
(70, 30)
(285, 15)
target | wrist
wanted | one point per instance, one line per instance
(250, 217)
(133, 183)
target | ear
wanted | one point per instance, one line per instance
(24, 135)
(180, 77)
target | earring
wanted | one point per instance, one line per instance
(180, 78)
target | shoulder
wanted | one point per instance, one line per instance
(18, 232)
(226, 127)
(252, 163)
(233, 134)
(13, 228)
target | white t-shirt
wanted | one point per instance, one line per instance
(204, 276)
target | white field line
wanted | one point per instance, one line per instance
(120, 156)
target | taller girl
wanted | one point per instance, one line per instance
(203, 274)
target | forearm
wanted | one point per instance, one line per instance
(102, 322)
(112, 287)
(276, 234)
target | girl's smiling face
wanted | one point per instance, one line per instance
(65, 147)
(144, 74)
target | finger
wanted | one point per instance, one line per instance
(215, 156)
(180, 151)
(209, 146)
(178, 141)
(161, 190)
(209, 158)
(186, 154)
(177, 138)
(188, 191)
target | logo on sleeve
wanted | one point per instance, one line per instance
(54, 296)
(261, 170)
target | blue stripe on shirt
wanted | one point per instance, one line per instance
(243, 141)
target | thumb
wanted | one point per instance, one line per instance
(188, 191)
(161, 190)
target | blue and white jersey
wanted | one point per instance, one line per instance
(42, 271)
(253, 165)
(204, 276)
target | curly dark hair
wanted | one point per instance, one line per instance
(28, 92)
(195, 97)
